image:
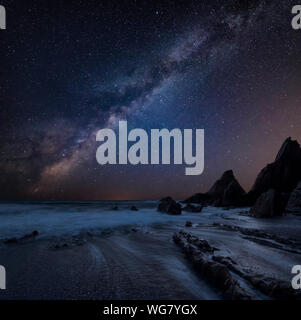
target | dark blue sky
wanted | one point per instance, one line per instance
(71, 68)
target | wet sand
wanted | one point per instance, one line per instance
(145, 263)
(133, 266)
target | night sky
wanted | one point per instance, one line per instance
(70, 68)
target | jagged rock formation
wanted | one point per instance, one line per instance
(270, 191)
(170, 206)
(283, 174)
(294, 202)
(226, 191)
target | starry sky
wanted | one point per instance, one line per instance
(71, 68)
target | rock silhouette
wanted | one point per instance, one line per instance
(198, 198)
(269, 204)
(275, 189)
(170, 206)
(226, 191)
(191, 208)
(283, 174)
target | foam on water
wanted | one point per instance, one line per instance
(59, 218)
(65, 218)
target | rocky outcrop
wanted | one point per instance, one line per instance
(226, 191)
(294, 202)
(228, 275)
(191, 208)
(202, 198)
(283, 174)
(25, 237)
(269, 204)
(170, 206)
(200, 254)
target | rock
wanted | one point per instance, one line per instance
(31, 235)
(170, 206)
(283, 174)
(274, 288)
(269, 204)
(11, 240)
(133, 208)
(198, 198)
(226, 191)
(61, 245)
(25, 237)
(218, 274)
(188, 224)
(294, 202)
(166, 199)
(115, 208)
(191, 208)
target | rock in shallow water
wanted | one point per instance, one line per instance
(188, 224)
(191, 208)
(25, 237)
(236, 281)
(170, 206)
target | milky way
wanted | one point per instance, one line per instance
(69, 69)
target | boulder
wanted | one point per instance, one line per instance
(283, 174)
(294, 202)
(170, 206)
(133, 208)
(188, 224)
(269, 204)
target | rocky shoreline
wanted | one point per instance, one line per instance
(224, 272)
(276, 191)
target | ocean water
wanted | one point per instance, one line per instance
(58, 218)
